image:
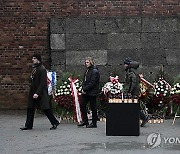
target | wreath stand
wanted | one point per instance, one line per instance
(176, 116)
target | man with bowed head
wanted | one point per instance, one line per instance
(132, 83)
(90, 90)
(38, 94)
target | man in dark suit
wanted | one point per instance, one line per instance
(38, 95)
(90, 90)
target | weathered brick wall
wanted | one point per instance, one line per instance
(24, 29)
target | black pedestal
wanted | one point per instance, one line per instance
(122, 119)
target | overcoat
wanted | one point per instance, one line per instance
(90, 83)
(132, 79)
(38, 85)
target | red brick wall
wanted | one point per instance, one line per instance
(24, 30)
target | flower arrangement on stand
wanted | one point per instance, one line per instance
(175, 94)
(112, 88)
(162, 88)
(64, 99)
(161, 98)
(145, 95)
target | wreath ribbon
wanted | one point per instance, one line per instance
(114, 79)
(75, 95)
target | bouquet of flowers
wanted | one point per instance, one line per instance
(175, 93)
(113, 87)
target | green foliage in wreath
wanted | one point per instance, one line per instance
(63, 101)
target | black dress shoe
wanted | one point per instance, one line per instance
(25, 128)
(92, 126)
(54, 126)
(83, 124)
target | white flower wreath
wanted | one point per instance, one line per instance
(113, 87)
(161, 87)
(175, 89)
